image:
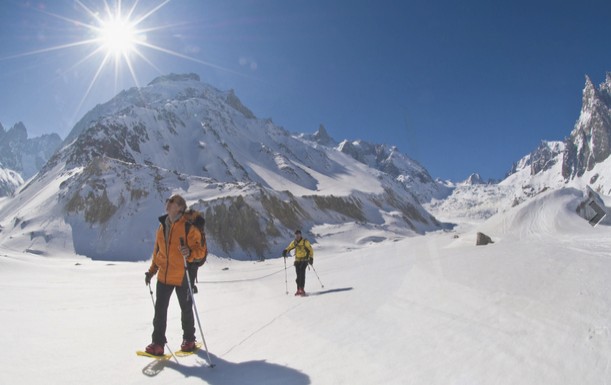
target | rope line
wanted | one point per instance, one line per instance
(243, 280)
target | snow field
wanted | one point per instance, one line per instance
(532, 308)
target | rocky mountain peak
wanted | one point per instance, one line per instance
(474, 179)
(321, 136)
(24, 155)
(545, 156)
(175, 78)
(236, 103)
(255, 181)
(18, 132)
(590, 141)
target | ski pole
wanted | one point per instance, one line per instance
(321, 285)
(182, 244)
(153, 300)
(286, 284)
(151, 291)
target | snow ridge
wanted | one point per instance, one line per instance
(255, 181)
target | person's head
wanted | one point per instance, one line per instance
(175, 205)
(297, 234)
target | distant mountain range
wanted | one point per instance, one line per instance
(582, 159)
(21, 157)
(101, 191)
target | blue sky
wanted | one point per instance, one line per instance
(460, 86)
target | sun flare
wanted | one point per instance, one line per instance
(118, 36)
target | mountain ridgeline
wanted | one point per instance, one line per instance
(590, 140)
(21, 157)
(255, 182)
(104, 188)
(581, 160)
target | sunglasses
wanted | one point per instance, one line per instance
(170, 200)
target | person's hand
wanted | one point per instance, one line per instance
(147, 278)
(284, 253)
(185, 251)
(311, 261)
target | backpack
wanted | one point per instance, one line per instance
(195, 218)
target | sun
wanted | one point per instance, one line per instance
(118, 36)
(115, 32)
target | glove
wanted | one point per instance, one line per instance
(147, 278)
(311, 261)
(185, 251)
(284, 253)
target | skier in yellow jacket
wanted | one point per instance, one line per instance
(172, 246)
(304, 255)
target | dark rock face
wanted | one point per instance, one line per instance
(590, 140)
(482, 239)
(24, 155)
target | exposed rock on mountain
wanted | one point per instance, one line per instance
(256, 182)
(389, 160)
(543, 158)
(581, 160)
(590, 140)
(26, 155)
(473, 179)
(22, 157)
(9, 181)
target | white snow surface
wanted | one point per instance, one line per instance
(531, 308)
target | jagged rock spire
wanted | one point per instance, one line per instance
(322, 136)
(590, 140)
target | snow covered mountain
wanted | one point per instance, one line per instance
(102, 191)
(21, 157)
(389, 160)
(532, 308)
(9, 181)
(582, 159)
(590, 140)
(26, 155)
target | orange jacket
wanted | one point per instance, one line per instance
(168, 261)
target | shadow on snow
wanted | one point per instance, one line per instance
(231, 373)
(330, 291)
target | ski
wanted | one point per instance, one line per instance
(145, 354)
(180, 353)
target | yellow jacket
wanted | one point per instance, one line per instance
(167, 260)
(303, 249)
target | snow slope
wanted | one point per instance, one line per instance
(532, 308)
(179, 135)
(9, 181)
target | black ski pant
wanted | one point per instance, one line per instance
(192, 267)
(164, 292)
(300, 270)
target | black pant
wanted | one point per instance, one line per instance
(192, 267)
(164, 292)
(300, 270)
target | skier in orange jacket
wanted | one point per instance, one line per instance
(172, 247)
